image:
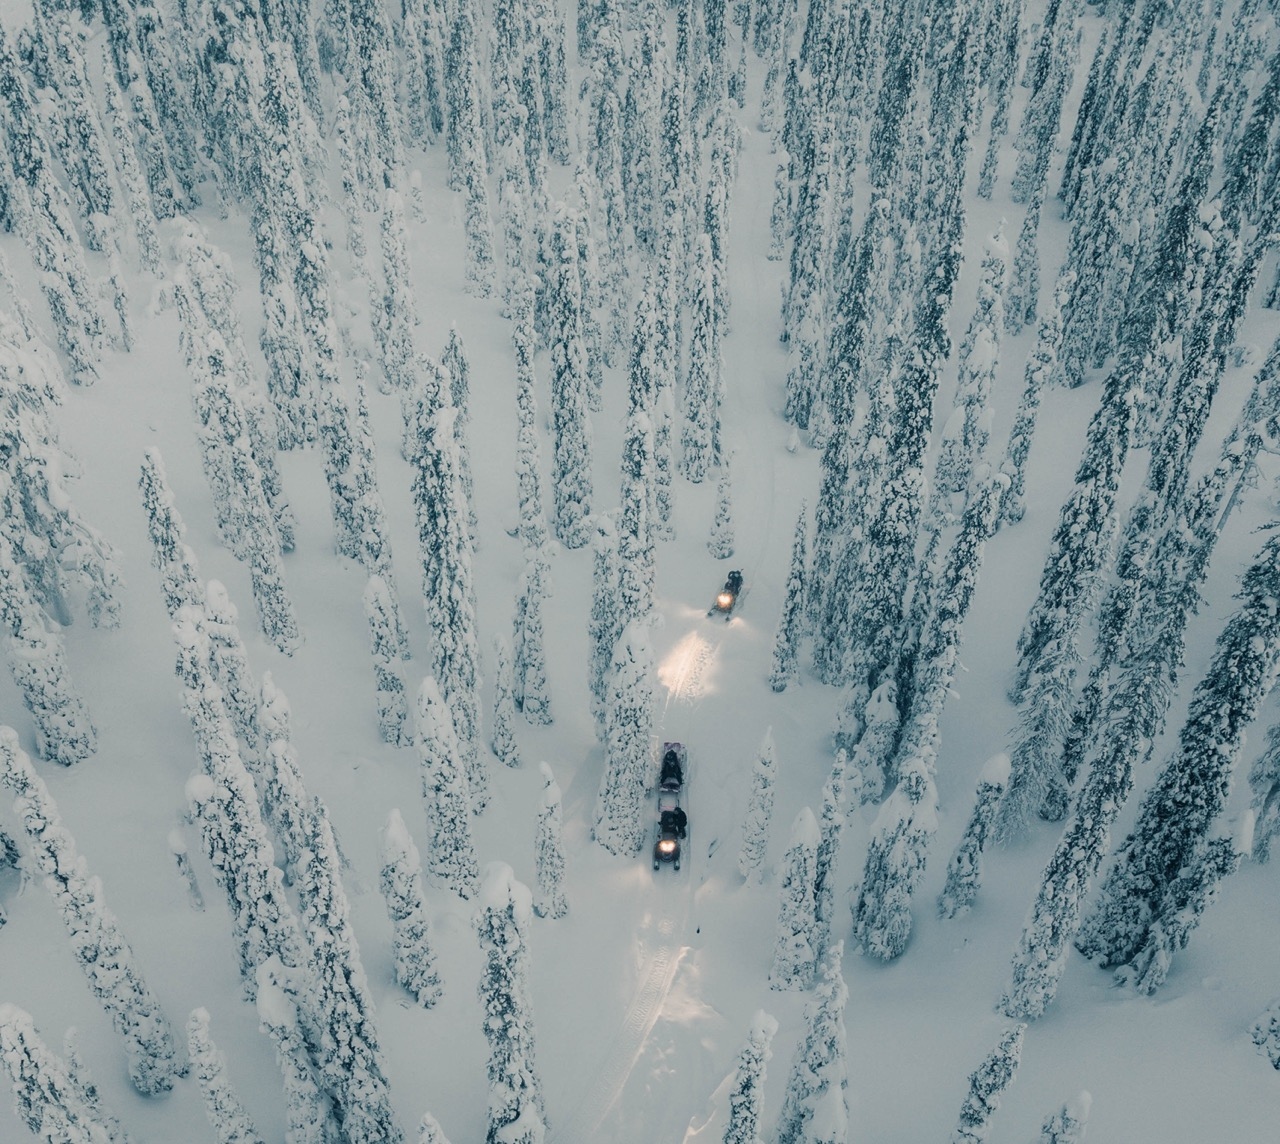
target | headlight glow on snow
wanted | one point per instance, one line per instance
(666, 846)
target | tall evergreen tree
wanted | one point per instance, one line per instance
(502, 739)
(986, 1083)
(759, 816)
(170, 553)
(230, 1122)
(529, 660)
(96, 941)
(451, 855)
(549, 851)
(44, 1093)
(445, 547)
(569, 384)
(1067, 1125)
(401, 885)
(388, 682)
(515, 1114)
(791, 623)
(628, 724)
(720, 543)
(964, 871)
(794, 953)
(815, 1109)
(604, 625)
(700, 425)
(747, 1095)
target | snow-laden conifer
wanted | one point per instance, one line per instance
(348, 1056)
(628, 725)
(230, 1122)
(700, 424)
(604, 625)
(388, 681)
(831, 826)
(516, 1114)
(549, 902)
(791, 623)
(569, 384)
(44, 1093)
(816, 1107)
(113, 976)
(170, 553)
(794, 953)
(451, 854)
(394, 313)
(747, 1095)
(87, 1089)
(502, 738)
(896, 856)
(720, 543)
(454, 361)
(64, 731)
(401, 884)
(533, 522)
(1158, 882)
(528, 659)
(635, 519)
(986, 1083)
(872, 751)
(964, 871)
(759, 816)
(1264, 782)
(445, 547)
(430, 1132)
(1068, 1124)
(230, 661)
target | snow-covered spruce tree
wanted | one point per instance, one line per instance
(964, 871)
(223, 801)
(230, 661)
(451, 854)
(401, 883)
(1265, 1033)
(528, 658)
(700, 423)
(979, 357)
(816, 1107)
(1040, 367)
(628, 725)
(502, 738)
(759, 816)
(113, 976)
(230, 1122)
(454, 362)
(170, 553)
(635, 520)
(589, 287)
(569, 383)
(549, 851)
(44, 1093)
(604, 625)
(348, 1056)
(791, 623)
(1264, 782)
(896, 856)
(747, 1094)
(986, 1083)
(794, 954)
(516, 1112)
(430, 1132)
(1171, 836)
(1037, 783)
(831, 826)
(87, 1089)
(533, 522)
(872, 752)
(388, 682)
(720, 543)
(1068, 1124)
(394, 313)
(445, 547)
(64, 731)
(282, 1004)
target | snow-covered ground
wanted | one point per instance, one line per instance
(644, 992)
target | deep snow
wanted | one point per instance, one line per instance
(645, 992)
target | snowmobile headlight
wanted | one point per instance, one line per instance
(724, 601)
(666, 846)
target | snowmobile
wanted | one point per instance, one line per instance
(728, 596)
(672, 821)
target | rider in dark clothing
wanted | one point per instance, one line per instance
(680, 820)
(671, 772)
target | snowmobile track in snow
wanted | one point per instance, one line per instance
(606, 1084)
(684, 680)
